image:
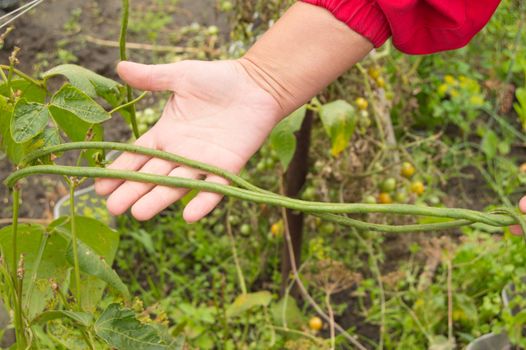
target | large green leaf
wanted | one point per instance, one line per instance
(44, 259)
(14, 151)
(29, 120)
(93, 85)
(286, 312)
(100, 239)
(339, 121)
(89, 82)
(73, 100)
(282, 138)
(94, 265)
(121, 330)
(82, 318)
(245, 302)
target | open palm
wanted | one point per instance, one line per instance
(217, 115)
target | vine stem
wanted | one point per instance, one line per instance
(17, 283)
(74, 242)
(23, 75)
(274, 199)
(305, 293)
(242, 284)
(123, 57)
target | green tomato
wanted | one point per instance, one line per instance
(245, 229)
(219, 228)
(309, 194)
(434, 200)
(233, 220)
(327, 228)
(401, 196)
(388, 185)
(369, 199)
(261, 166)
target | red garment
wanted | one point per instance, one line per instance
(417, 26)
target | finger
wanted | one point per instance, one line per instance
(522, 204)
(516, 230)
(129, 192)
(127, 161)
(162, 197)
(156, 77)
(204, 202)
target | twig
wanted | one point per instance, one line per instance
(331, 322)
(148, 47)
(9, 221)
(303, 289)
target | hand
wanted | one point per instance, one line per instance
(217, 115)
(516, 229)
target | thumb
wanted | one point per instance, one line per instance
(148, 77)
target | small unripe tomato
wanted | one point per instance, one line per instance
(385, 198)
(361, 103)
(407, 170)
(369, 199)
(261, 165)
(327, 228)
(315, 323)
(417, 187)
(245, 229)
(388, 185)
(226, 6)
(380, 82)
(401, 196)
(309, 194)
(434, 200)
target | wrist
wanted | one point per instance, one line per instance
(301, 54)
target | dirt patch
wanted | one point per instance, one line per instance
(55, 32)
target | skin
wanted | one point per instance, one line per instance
(221, 112)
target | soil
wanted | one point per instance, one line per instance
(43, 31)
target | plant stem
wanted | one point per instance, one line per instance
(123, 57)
(242, 284)
(21, 340)
(74, 242)
(23, 75)
(274, 199)
(128, 104)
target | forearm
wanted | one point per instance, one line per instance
(302, 53)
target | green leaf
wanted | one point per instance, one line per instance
(94, 265)
(37, 272)
(77, 129)
(121, 330)
(90, 82)
(29, 119)
(489, 144)
(26, 89)
(102, 240)
(339, 121)
(286, 311)
(14, 151)
(71, 99)
(282, 138)
(245, 302)
(82, 318)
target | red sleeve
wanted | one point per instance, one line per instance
(417, 26)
